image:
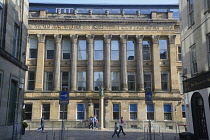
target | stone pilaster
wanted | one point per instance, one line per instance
(56, 81)
(140, 73)
(173, 69)
(73, 76)
(107, 71)
(124, 79)
(90, 39)
(40, 63)
(156, 63)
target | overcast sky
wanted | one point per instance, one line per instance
(108, 1)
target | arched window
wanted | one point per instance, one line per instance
(199, 117)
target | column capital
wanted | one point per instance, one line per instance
(123, 38)
(107, 38)
(139, 38)
(172, 39)
(58, 38)
(155, 39)
(41, 38)
(90, 38)
(74, 38)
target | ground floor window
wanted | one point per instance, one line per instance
(46, 111)
(116, 111)
(167, 112)
(80, 111)
(63, 111)
(183, 112)
(28, 111)
(150, 112)
(133, 111)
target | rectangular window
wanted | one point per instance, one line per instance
(191, 12)
(167, 112)
(146, 50)
(63, 111)
(81, 81)
(133, 111)
(180, 82)
(193, 59)
(98, 49)
(12, 101)
(148, 80)
(164, 81)
(16, 41)
(80, 111)
(28, 111)
(31, 80)
(50, 45)
(65, 81)
(116, 111)
(48, 81)
(163, 49)
(179, 53)
(131, 81)
(46, 111)
(150, 112)
(98, 80)
(82, 50)
(130, 50)
(183, 111)
(114, 50)
(115, 81)
(66, 45)
(33, 47)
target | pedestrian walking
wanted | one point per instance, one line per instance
(115, 130)
(91, 122)
(42, 125)
(121, 122)
(95, 121)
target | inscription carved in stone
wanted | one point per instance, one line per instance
(102, 27)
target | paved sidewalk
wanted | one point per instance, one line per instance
(87, 134)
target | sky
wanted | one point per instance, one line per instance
(107, 1)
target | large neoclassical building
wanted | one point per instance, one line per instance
(124, 49)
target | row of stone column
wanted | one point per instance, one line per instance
(107, 69)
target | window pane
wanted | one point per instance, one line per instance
(116, 107)
(98, 80)
(130, 50)
(50, 48)
(82, 81)
(146, 50)
(133, 107)
(115, 81)
(167, 108)
(150, 108)
(114, 50)
(46, 111)
(82, 50)
(28, 111)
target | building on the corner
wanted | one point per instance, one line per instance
(124, 48)
(13, 42)
(195, 41)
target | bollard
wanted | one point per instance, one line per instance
(46, 137)
(54, 136)
(162, 136)
(154, 133)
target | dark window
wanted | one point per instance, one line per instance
(80, 112)
(28, 111)
(66, 48)
(131, 81)
(167, 112)
(46, 111)
(31, 80)
(130, 50)
(48, 81)
(81, 81)
(65, 81)
(63, 111)
(191, 12)
(179, 53)
(15, 49)
(183, 112)
(50, 48)
(146, 50)
(33, 47)
(150, 112)
(163, 49)
(116, 111)
(164, 81)
(133, 111)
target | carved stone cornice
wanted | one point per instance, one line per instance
(107, 38)
(58, 38)
(139, 38)
(155, 39)
(41, 38)
(90, 38)
(172, 39)
(123, 38)
(74, 38)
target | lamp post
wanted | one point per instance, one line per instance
(101, 94)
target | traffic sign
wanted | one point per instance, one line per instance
(148, 97)
(64, 97)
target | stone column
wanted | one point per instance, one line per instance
(173, 69)
(156, 63)
(40, 63)
(90, 39)
(107, 71)
(139, 61)
(73, 62)
(56, 81)
(124, 81)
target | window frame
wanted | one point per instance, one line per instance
(31, 80)
(115, 112)
(145, 51)
(148, 73)
(183, 112)
(28, 112)
(167, 113)
(34, 48)
(113, 50)
(81, 111)
(84, 81)
(82, 50)
(134, 74)
(46, 112)
(65, 50)
(136, 112)
(150, 112)
(63, 114)
(48, 81)
(163, 49)
(130, 50)
(16, 41)
(193, 58)
(162, 80)
(117, 83)
(50, 49)
(190, 13)
(65, 81)
(96, 51)
(179, 53)
(96, 88)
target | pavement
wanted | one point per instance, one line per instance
(92, 134)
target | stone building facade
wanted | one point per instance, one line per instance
(13, 42)
(78, 49)
(195, 40)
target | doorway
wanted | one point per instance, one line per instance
(96, 110)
